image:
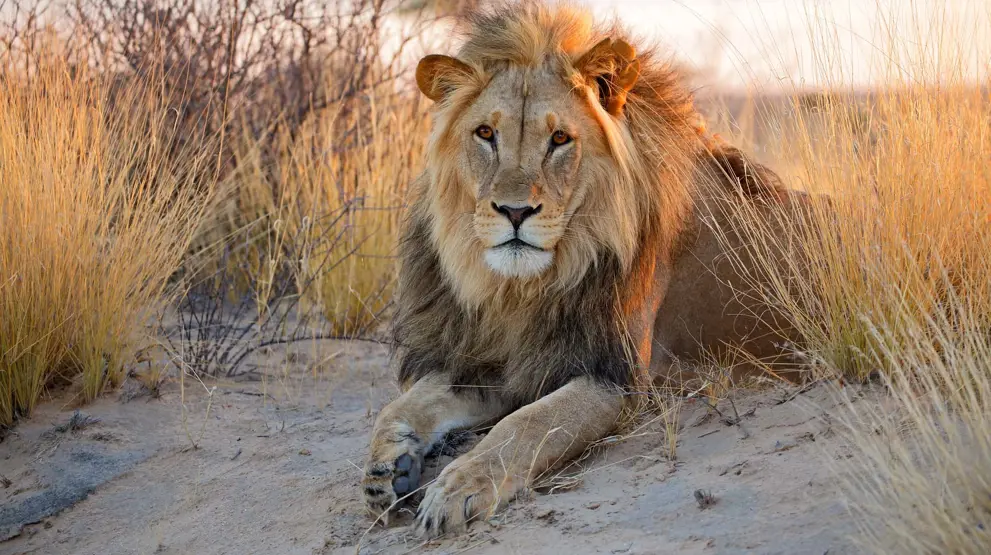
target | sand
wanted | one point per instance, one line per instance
(277, 464)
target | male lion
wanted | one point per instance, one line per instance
(554, 256)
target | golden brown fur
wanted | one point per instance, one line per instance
(619, 269)
(632, 227)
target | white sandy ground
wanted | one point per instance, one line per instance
(278, 469)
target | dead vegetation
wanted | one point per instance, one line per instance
(236, 168)
(898, 283)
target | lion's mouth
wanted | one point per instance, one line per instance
(517, 244)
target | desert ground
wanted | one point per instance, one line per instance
(275, 467)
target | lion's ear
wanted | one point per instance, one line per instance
(437, 75)
(614, 68)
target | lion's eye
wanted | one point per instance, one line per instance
(560, 138)
(485, 133)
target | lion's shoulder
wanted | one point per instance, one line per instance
(740, 172)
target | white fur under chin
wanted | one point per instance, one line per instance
(518, 262)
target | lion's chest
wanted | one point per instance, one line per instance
(500, 336)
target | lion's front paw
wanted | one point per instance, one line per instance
(392, 471)
(463, 492)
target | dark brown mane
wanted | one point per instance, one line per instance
(433, 333)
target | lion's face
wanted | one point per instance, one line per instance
(521, 156)
(527, 149)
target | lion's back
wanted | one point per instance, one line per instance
(746, 226)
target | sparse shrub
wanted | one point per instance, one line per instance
(301, 242)
(312, 143)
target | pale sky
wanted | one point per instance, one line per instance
(789, 44)
(796, 42)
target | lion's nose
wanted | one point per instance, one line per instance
(516, 214)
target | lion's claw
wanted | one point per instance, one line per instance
(461, 494)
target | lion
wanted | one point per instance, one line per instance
(559, 255)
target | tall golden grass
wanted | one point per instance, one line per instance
(907, 225)
(108, 192)
(96, 215)
(330, 194)
(898, 285)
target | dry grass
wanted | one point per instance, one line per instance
(336, 196)
(96, 216)
(922, 480)
(904, 234)
(898, 286)
(911, 198)
(306, 174)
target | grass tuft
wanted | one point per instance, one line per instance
(98, 205)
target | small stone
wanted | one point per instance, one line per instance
(782, 446)
(545, 514)
(305, 452)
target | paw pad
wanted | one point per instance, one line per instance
(407, 475)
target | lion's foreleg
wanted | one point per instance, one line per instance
(535, 438)
(407, 428)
